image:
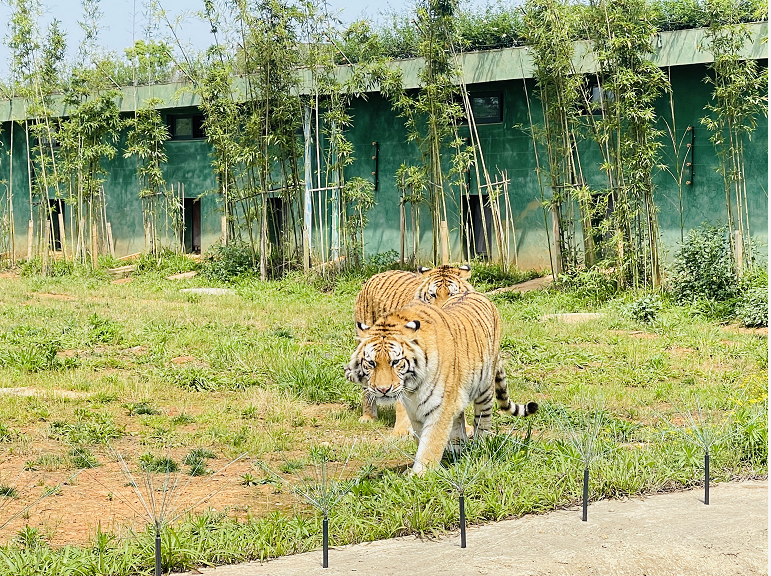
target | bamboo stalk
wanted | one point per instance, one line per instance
(62, 235)
(94, 251)
(30, 235)
(46, 251)
(110, 241)
(402, 226)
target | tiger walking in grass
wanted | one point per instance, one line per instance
(436, 362)
(392, 290)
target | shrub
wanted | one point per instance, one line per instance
(157, 464)
(225, 263)
(752, 309)
(596, 284)
(704, 267)
(485, 277)
(645, 309)
(166, 262)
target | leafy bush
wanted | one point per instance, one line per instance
(165, 263)
(597, 284)
(704, 267)
(752, 309)
(197, 459)
(644, 309)
(225, 263)
(82, 458)
(92, 428)
(56, 268)
(485, 277)
(103, 330)
(381, 262)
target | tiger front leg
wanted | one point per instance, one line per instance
(368, 408)
(433, 440)
(403, 426)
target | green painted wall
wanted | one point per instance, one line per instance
(507, 147)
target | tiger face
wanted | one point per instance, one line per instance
(439, 284)
(385, 366)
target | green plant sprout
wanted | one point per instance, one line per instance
(583, 437)
(701, 431)
(325, 489)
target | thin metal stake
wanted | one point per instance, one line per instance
(325, 542)
(158, 551)
(706, 477)
(586, 492)
(462, 503)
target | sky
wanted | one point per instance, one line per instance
(120, 26)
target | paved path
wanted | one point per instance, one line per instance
(663, 535)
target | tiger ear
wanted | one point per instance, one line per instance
(361, 327)
(465, 271)
(423, 269)
(413, 325)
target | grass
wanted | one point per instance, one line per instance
(141, 369)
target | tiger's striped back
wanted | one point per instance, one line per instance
(394, 289)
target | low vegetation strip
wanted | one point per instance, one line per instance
(227, 421)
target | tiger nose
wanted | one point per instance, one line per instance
(384, 389)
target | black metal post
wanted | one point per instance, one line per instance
(325, 542)
(462, 503)
(586, 492)
(158, 570)
(706, 477)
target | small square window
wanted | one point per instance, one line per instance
(183, 128)
(186, 127)
(597, 98)
(487, 107)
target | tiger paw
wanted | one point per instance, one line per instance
(402, 431)
(366, 418)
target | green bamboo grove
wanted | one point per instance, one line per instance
(278, 116)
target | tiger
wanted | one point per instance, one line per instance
(394, 289)
(435, 362)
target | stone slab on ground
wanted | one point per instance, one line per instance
(527, 286)
(183, 275)
(210, 291)
(673, 534)
(573, 317)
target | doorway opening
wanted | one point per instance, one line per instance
(474, 244)
(192, 208)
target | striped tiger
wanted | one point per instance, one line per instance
(394, 289)
(436, 361)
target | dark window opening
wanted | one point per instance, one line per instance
(474, 228)
(277, 216)
(192, 232)
(187, 127)
(55, 207)
(47, 144)
(597, 98)
(486, 107)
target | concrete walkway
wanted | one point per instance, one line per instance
(662, 535)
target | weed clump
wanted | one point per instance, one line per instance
(157, 464)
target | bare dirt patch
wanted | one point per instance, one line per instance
(52, 296)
